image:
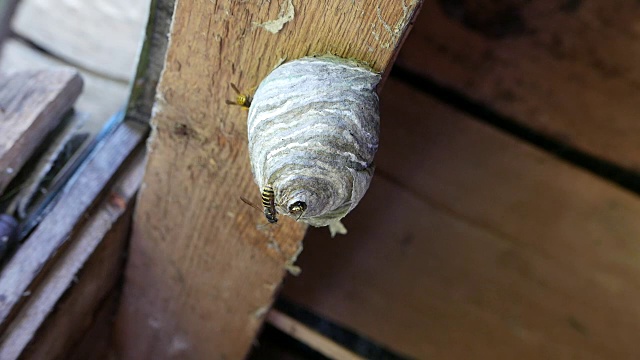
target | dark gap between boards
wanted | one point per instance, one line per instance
(606, 169)
(347, 338)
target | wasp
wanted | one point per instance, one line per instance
(269, 204)
(297, 209)
(241, 99)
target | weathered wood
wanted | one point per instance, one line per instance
(97, 342)
(54, 231)
(100, 97)
(569, 69)
(101, 36)
(31, 105)
(150, 60)
(311, 338)
(87, 270)
(471, 244)
(201, 276)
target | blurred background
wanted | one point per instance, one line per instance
(99, 38)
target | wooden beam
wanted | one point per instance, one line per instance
(85, 272)
(201, 275)
(32, 258)
(31, 105)
(100, 98)
(568, 69)
(484, 248)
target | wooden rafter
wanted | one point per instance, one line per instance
(201, 274)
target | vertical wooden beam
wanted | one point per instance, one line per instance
(203, 267)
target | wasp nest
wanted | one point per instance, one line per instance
(313, 132)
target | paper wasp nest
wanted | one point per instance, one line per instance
(313, 131)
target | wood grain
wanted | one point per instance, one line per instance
(309, 337)
(97, 342)
(471, 244)
(569, 69)
(201, 276)
(31, 105)
(101, 97)
(85, 273)
(29, 263)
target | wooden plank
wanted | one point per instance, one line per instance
(52, 235)
(31, 105)
(201, 276)
(569, 69)
(99, 30)
(85, 272)
(101, 97)
(308, 336)
(471, 244)
(97, 342)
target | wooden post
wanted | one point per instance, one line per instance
(203, 267)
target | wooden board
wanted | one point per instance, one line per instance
(97, 342)
(85, 272)
(29, 264)
(32, 104)
(471, 244)
(568, 69)
(101, 97)
(99, 36)
(61, 309)
(201, 276)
